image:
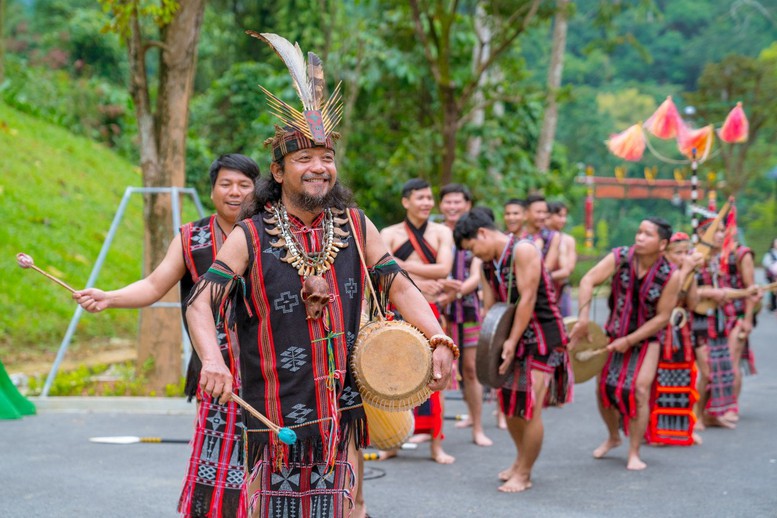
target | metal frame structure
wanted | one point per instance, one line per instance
(175, 193)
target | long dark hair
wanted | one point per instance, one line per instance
(267, 190)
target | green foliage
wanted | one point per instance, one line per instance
(90, 106)
(119, 379)
(60, 193)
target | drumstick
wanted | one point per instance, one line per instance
(25, 261)
(286, 435)
(584, 356)
(130, 439)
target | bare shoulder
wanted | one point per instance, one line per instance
(525, 249)
(392, 234)
(439, 232)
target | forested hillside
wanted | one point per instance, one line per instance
(59, 194)
(622, 59)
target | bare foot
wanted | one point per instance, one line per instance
(635, 463)
(439, 456)
(606, 446)
(505, 474)
(386, 454)
(501, 421)
(420, 437)
(710, 420)
(730, 416)
(480, 439)
(464, 423)
(516, 484)
(697, 438)
(699, 426)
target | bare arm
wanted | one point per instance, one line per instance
(747, 267)
(595, 276)
(552, 259)
(527, 270)
(489, 298)
(567, 259)
(442, 267)
(215, 378)
(141, 293)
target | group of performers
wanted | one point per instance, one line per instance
(252, 277)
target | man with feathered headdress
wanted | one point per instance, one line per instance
(289, 279)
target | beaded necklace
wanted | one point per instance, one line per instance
(306, 264)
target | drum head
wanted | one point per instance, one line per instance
(493, 332)
(392, 365)
(585, 370)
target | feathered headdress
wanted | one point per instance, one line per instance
(314, 125)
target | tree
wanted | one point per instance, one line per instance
(555, 70)
(162, 123)
(752, 81)
(436, 28)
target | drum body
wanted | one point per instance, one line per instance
(587, 369)
(494, 330)
(392, 365)
(388, 430)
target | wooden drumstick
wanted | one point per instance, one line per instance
(286, 435)
(584, 356)
(25, 261)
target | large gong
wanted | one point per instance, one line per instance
(493, 332)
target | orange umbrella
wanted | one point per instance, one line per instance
(665, 122)
(700, 140)
(628, 144)
(735, 129)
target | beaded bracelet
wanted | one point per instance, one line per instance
(447, 341)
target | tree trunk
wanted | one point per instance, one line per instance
(450, 122)
(555, 70)
(162, 159)
(480, 53)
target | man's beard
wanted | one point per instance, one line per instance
(310, 203)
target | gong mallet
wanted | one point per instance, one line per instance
(584, 356)
(25, 261)
(286, 435)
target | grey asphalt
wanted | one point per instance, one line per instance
(48, 467)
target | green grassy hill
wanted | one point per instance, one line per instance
(58, 196)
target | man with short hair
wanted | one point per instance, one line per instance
(425, 250)
(644, 292)
(535, 229)
(534, 355)
(300, 238)
(514, 213)
(557, 220)
(215, 475)
(460, 298)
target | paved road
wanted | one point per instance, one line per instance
(48, 468)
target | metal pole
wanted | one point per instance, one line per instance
(89, 283)
(101, 259)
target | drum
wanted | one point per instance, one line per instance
(494, 330)
(388, 430)
(592, 364)
(392, 365)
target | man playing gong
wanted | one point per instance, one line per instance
(425, 250)
(644, 291)
(289, 280)
(534, 355)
